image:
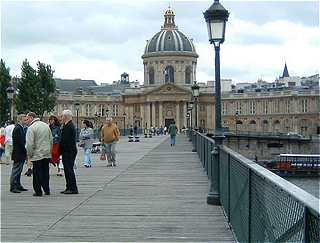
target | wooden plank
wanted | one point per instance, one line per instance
(157, 193)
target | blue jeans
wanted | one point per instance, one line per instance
(110, 149)
(87, 156)
(173, 139)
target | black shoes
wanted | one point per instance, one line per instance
(22, 189)
(37, 195)
(69, 192)
(15, 191)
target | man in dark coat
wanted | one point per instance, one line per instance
(68, 150)
(19, 154)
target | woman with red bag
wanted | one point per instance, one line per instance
(54, 125)
(2, 138)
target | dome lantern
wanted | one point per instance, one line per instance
(169, 19)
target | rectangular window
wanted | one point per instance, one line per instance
(238, 108)
(88, 110)
(202, 108)
(288, 106)
(224, 108)
(252, 107)
(265, 106)
(304, 105)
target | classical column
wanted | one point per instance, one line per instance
(131, 111)
(184, 114)
(209, 116)
(178, 115)
(142, 116)
(160, 115)
(153, 114)
(147, 120)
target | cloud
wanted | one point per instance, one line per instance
(100, 40)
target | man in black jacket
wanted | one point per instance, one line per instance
(19, 154)
(68, 150)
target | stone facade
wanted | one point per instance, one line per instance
(164, 98)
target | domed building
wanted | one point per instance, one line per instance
(169, 56)
(170, 67)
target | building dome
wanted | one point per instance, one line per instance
(169, 39)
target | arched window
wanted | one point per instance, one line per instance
(187, 75)
(169, 74)
(265, 126)
(252, 125)
(151, 75)
(276, 126)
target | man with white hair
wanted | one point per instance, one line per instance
(19, 154)
(38, 146)
(68, 150)
(109, 137)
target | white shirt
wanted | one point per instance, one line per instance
(8, 134)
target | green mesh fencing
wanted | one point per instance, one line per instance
(257, 203)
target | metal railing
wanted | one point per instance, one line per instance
(260, 206)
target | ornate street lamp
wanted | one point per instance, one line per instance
(77, 106)
(195, 93)
(10, 93)
(216, 17)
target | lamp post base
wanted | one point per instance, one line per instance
(213, 197)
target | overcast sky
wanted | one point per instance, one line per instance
(101, 39)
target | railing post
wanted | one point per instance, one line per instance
(213, 197)
(249, 205)
(229, 215)
(306, 225)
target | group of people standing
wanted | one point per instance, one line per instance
(41, 144)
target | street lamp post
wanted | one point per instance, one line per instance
(237, 118)
(77, 106)
(10, 93)
(124, 123)
(195, 93)
(216, 17)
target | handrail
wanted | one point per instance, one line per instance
(299, 194)
(259, 205)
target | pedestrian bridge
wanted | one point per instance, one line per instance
(156, 193)
(159, 193)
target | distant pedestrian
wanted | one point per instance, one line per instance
(8, 140)
(135, 130)
(39, 145)
(55, 125)
(173, 132)
(68, 150)
(109, 138)
(19, 154)
(86, 137)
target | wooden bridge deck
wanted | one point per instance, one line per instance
(157, 193)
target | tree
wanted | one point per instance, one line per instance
(36, 90)
(4, 84)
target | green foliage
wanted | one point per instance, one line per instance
(36, 90)
(4, 84)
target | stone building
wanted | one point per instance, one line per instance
(170, 67)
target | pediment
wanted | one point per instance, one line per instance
(169, 89)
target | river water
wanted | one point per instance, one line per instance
(311, 184)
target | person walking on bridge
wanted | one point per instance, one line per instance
(173, 132)
(109, 138)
